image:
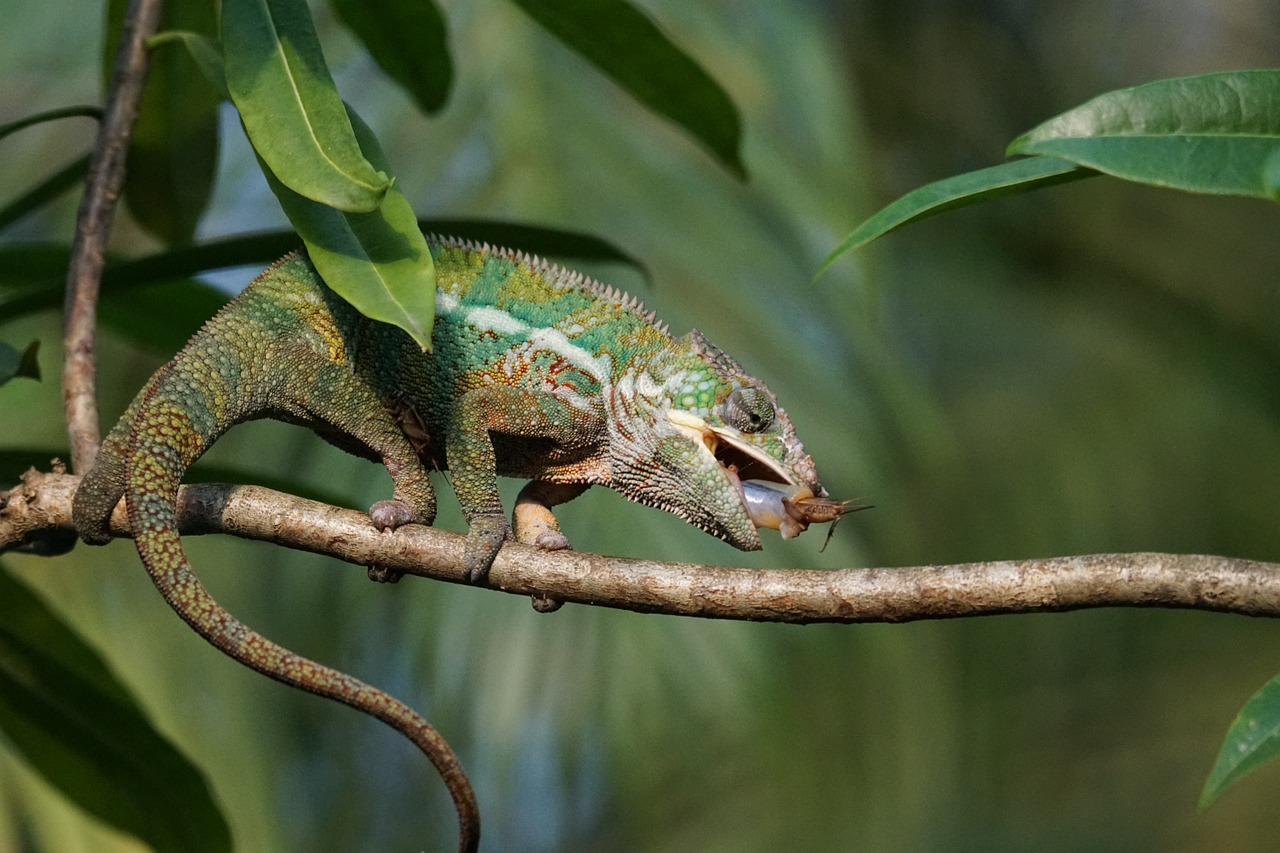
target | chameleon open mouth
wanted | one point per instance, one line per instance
(770, 497)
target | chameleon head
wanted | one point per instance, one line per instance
(726, 457)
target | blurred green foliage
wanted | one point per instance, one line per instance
(1085, 369)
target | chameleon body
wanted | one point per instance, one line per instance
(535, 372)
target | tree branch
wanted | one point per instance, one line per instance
(93, 225)
(39, 510)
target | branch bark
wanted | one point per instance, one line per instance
(39, 511)
(93, 225)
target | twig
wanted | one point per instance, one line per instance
(41, 507)
(93, 225)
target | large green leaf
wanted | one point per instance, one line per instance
(958, 191)
(46, 191)
(1212, 133)
(64, 710)
(162, 315)
(32, 275)
(278, 80)
(19, 362)
(1252, 740)
(15, 460)
(57, 183)
(49, 115)
(408, 40)
(536, 239)
(377, 261)
(173, 152)
(203, 51)
(623, 43)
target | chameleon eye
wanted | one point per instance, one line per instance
(748, 410)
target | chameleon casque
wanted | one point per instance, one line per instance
(535, 372)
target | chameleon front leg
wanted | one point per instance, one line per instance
(534, 522)
(473, 464)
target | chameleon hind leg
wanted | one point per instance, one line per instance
(341, 401)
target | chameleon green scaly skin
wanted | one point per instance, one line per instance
(536, 372)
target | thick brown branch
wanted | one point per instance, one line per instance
(41, 507)
(93, 225)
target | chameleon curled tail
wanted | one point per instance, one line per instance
(144, 459)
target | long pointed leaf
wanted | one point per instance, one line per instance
(173, 152)
(408, 40)
(163, 315)
(626, 45)
(378, 261)
(44, 192)
(16, 363)
(13, 461)
(958, 191)
(50, 115)
(290, 107)
(202, 50)
(1252, 740)
(65, 711)
(31, 276)
(1211, 133)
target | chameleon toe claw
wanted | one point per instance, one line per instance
(485, 537)
(383, 574)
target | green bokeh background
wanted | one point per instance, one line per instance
(1085, 369)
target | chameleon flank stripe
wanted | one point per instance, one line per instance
(536, 372)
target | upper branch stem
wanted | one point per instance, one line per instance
(93, 225)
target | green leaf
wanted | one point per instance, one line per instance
(78, 726)
(536, 239)
(162, 315)
(32, 276)
(378, 261)
(50, 115)
(1252, 740)
(202, 50)
(408, 40)
(1212, 133)
(32, 265)
(173, 152)
(13, 461)
(290, 107)
(1271, 175)
(623, 43)
(45, 191)
(16, 363)
(1015, 176)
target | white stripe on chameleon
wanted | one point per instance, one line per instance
(597, 367)
(489, 319)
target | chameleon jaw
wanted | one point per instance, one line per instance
(770, 497)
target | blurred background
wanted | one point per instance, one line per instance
(1088, 368)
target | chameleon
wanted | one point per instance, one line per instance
(535, 372)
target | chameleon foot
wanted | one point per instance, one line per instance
(552, 540)
(545, 603)
(388, 515)
(549, 540)
(485, 537)
(382, 574)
